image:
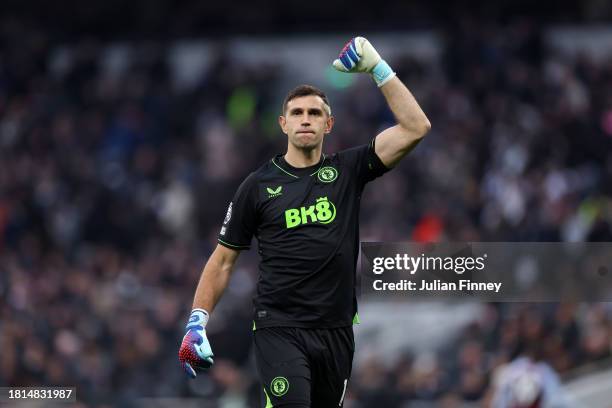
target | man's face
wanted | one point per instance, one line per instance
(306, 121)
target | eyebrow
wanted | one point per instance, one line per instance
(310, 110)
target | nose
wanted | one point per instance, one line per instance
(305, 119)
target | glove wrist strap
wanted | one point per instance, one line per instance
(198, 317)
(382, 73)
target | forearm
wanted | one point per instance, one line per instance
(195, 352)
(406, 109)
(213, 281)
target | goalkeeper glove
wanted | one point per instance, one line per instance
(195, 352)
(358, 55)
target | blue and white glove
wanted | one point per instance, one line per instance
(195, 352)
(358, 55)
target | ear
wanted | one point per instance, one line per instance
(329, 124)
(282, 121)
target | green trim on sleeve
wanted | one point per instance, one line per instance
(232, 245)
(356, 319)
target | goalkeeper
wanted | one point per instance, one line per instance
(303, 207)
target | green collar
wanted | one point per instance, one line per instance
(293, 175)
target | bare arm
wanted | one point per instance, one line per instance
(214, 278)
(395, 142)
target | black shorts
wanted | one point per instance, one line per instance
(304, 367)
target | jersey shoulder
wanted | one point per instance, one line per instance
(352, 153)
(362, 160)
(262, 172)
(350, 157)
(266, 175)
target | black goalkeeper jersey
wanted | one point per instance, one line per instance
(306, 222)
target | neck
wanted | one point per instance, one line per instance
(301, 157)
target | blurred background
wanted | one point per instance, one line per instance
(126, 128)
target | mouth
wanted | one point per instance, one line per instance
(301, 132)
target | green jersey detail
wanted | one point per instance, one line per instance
(254, 327)
(283, 170)
(355, 319)
(279, 386)
(274, 192)
(268, 402)
(323, 211)
(293, 175)
(327, 174)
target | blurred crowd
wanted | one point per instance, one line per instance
(564, 336)
(113, 189)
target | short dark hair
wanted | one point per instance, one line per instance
(305, 90)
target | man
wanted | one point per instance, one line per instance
(303, 207)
